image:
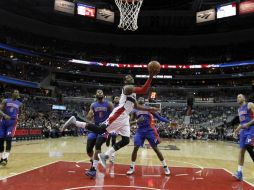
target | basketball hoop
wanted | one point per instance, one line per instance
(129, 10)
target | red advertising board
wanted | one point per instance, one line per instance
(21, 132)
(35, 132)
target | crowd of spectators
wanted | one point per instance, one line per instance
(195, 132)
(206, 122)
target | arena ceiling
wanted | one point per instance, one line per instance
(147, 4)
(178, 16)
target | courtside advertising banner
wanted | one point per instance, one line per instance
(205, 16)
(64, 6)
(105, 15)
(246, 7)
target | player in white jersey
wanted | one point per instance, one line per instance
(118, 120)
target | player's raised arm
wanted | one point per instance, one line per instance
(129, 89)
(153, 69)
(144, 88)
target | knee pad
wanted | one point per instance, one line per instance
(8, 144)
(1, 144)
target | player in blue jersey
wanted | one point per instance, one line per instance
(112, 136)
(9, 110)
(98, 113)
(246, 129)
(147, 130)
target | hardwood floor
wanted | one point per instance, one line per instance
(205, 154)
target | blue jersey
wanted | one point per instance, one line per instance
(12, 108)
(245, 115)
(149, 118)
(101, 111)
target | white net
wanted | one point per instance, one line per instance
(129, 10)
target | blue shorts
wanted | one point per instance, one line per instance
(7, 128)
(92, 135)
(247, 137)
(148, 134)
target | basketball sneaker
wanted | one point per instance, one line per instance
(71, 121)
(103, 159)
(131, 171)
(3, 162)
(166, 170)
(238, 175)
(91, 172)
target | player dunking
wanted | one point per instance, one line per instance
(246, 129)
(146, 130)
(118, 120)
(9, 110)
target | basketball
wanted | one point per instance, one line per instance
(154, 67)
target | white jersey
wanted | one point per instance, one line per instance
(118, 120)
(128, 102)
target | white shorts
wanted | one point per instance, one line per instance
(121, 125)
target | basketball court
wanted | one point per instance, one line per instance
(61, 164)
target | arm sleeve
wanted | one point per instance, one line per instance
(144, 88)
(157, 116)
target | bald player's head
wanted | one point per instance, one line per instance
(241, 99)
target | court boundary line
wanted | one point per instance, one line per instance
(226, 170)
(26, 171)
(101, 186)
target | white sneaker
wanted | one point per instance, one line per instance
(71, 121)
(131, 171)
(103, 159)
(166, 170)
